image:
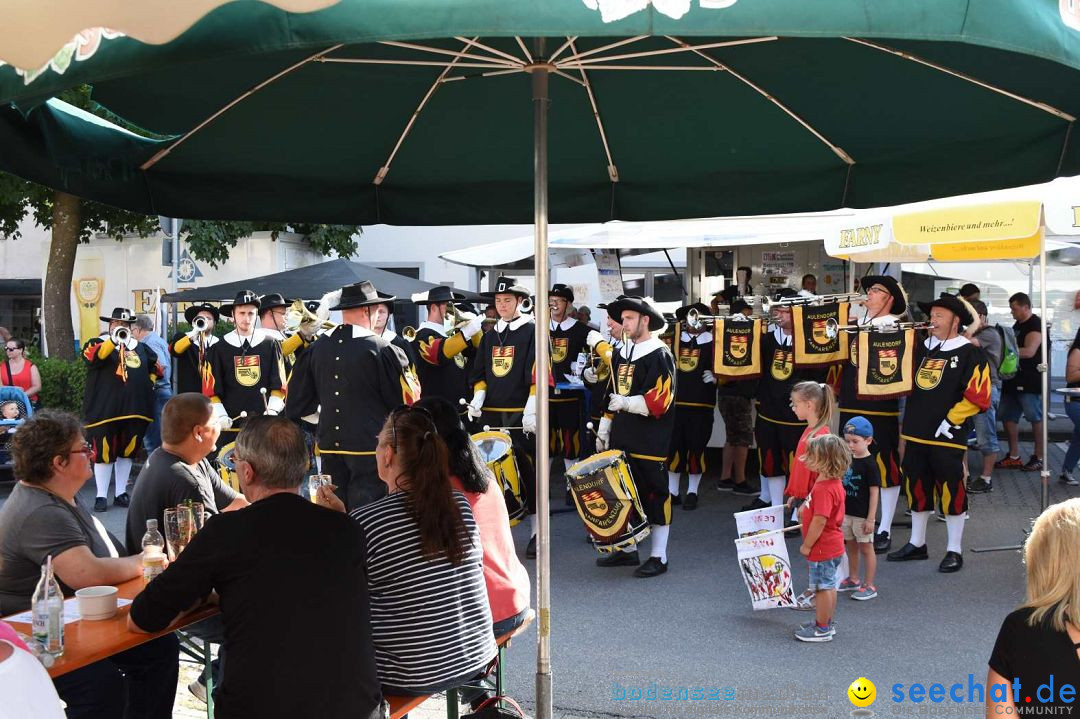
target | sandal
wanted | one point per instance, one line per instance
(804, 602)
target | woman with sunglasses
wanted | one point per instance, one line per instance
(17, 371)
(42, 518)
(430, 620)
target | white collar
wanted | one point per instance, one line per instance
(781, 337)
(358, 331)
(520, 320)
(565, 325)
(274, 334)
(641, 349)
(933, 343)
(703, 338)
(433, 327)
(389, 335)
(211, 340)
(257, 335)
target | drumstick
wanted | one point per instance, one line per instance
(591, 428)
(262, 391)
(488, 428)
(243, 413)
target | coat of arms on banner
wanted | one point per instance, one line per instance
(929, 374)
(624, 378)
(688, 359)
(502, 359)
(247, 370)
(558, 348)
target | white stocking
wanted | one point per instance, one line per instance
(889, 497)
(673, 483)
(919, 520)
(102, 475)
(659, 541)
(695, 482)
(955, 528)
(776, 489)
(123, 473)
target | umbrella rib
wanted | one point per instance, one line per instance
(451, 53)
(613, 172)
(161, 154)
(569, 77)
(669, 51)
(839, 152)
(524, 49)
(494, 51)
(602, 48)
(385, 169)
(681, 68)
(417, 63)
(963, 76)
(568, 43)
(493, 73)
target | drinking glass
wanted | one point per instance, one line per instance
(314, 482)
(179, 527)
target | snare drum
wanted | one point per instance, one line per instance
(497, 449)
(226, 467)
(607, 501)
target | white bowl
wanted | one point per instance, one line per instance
(97, 602)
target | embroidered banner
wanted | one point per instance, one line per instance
(737, 354)
(885, 363)
(813, 345)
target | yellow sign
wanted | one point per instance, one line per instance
(990, 250)
(973, 223)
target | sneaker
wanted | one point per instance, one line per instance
(834, 625)
(122, 500)
(980, 486)
(849, 585)
(1033, 465)
(743, 488)
(814, 634)
(725, 485)
(101, 504)
(1067, 478)
(199, 690)
(866, 591)
(1008, 462)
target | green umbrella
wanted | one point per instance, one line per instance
(420, 112)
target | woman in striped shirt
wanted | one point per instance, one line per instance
(430, 620)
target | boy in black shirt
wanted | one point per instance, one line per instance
(862, 483)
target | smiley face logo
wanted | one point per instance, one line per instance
(862, 692)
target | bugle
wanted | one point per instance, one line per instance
(768, 305)
(298, 314)
(696, 320)
(200, 324)
(120, 335)
(409, 333)
(834, 328)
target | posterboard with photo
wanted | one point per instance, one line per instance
(758, 521)
(766, 569)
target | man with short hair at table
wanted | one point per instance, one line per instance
(289, 576)
(179, 472)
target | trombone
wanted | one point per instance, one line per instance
(834, 328)
(768, 305)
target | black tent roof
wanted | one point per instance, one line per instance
(311, 283)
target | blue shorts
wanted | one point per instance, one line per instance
(825, 574)
(1014, 403)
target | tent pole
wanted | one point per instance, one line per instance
(541, 100)
(1044, 367)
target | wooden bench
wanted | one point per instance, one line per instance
(402, 705)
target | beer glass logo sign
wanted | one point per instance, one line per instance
(613, 10)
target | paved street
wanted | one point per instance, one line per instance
(693, 627)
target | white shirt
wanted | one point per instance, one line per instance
(27, 691)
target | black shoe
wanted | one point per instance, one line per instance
(980, 486)
(1033, 465)
(725, 485)
(101, 504)
(619, 559)
(908, 552)
(791, 527)
(743, 488)
(530, 551)
(756, 504)
(675, 500)
(652, 567)
(882, 542)
(691, 501)
(951, 563)
(122, 500)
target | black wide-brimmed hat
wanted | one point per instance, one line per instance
(899, 297)
(784, 293)
(606, 306)
(561, 290)
(192, 312)
(680, 314)
(243, 297)
(119, 314)
(361, 294)
(637, 304)
(442, 293)
(312, 305)
(728, 294)
(272, 300)
(952, 303)
(508, 285)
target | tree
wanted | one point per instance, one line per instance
(73, 220)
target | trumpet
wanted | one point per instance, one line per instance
(409, 334)
(696, 320)
(768, 305)
(201, 324)
(526, 305)
(299, 314)
(120, 335)
(834, 328)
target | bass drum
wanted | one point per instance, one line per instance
(497, 449)
(226, 467)
(607, 501)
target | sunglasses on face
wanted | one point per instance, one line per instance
(12, 348)
(87, 449)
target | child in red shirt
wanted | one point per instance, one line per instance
(814, 403)
(822, 517)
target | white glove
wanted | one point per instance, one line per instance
(274, 406)
(634, 404)
(309, 328)
(603, 434)
(219, 415)
(945, 429)
(476, 407)
(475, 325)
(593, 338)
(528, 420)
(589, 375)
(708, 377)
(193, 336)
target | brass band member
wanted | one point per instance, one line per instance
(504, 385)
(443, 367)
(118, 402)
(952, 385)
(565, 409)
(273, 310)
(192, 349)
(639, 420)
(348, 382)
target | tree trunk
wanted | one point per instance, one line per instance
(56, 299)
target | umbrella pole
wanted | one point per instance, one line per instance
(1045, 369)
(541, 101)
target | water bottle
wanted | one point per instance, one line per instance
(153, 545)
(47, 606)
